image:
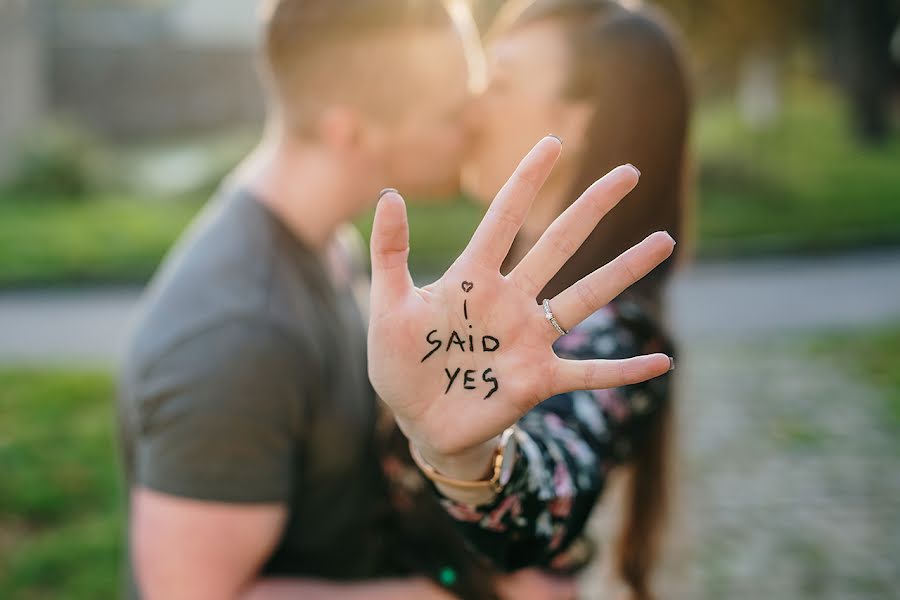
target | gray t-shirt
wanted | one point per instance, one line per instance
(245, 382)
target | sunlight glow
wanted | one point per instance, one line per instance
(462, 17)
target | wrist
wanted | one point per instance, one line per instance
(460, 477)
(472, 464)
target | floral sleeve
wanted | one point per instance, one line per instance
(567, 446)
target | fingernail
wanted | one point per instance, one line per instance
(638, 171)
(556, 137)
(674, 241)
(671, 364)
(387, 191)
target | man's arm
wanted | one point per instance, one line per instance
(185, 548)
(216, 422)
(200, 550)
(383, 589)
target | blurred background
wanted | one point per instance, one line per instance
(118, 119)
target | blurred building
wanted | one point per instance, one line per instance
(23, 95)
(129, 69)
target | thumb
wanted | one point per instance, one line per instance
(390, 249)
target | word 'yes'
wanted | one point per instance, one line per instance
(465, 343)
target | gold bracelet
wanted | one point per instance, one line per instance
(494, 483)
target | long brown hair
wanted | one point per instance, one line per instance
(628, 64)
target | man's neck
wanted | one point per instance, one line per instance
(302, 188)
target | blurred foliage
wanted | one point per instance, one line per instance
(438, 233)
(122, 240)
(61, 517)
(58, 160)
(190, 166)
(804, 184)
(720, 33)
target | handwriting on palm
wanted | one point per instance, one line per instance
(461, 359)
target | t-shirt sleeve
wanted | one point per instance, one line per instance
(219, 416)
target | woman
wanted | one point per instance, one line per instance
(610, 82)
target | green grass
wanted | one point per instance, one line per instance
(105, 240)
(873, 355)
(44, 243)
(438, 232)
(61, 524)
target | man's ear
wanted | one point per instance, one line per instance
(341, 129)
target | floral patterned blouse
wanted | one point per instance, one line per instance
(567, 447)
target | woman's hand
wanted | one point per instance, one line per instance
(462, 359)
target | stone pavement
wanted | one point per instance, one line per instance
(788, 481)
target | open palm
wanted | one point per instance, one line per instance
(460, 360)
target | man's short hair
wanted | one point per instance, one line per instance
(318, 52)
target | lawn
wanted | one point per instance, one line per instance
(804, 185)
(60, 510)
(46, 243)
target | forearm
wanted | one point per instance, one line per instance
(414, 588)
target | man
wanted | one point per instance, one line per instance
(247, 416)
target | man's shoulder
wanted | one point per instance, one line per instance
(211, 349)
(216, 287)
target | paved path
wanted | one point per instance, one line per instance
(760, 297)
(78, 327)
(729, 299)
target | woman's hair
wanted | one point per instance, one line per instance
(628, 64)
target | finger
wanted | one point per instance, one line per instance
(495, 234)
(390, 250)
(571, 375)
(576, 303)
(570, 229)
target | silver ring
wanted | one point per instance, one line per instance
(548, 314)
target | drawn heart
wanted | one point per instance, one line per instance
(467, 286)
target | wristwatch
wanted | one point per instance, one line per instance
(502, 463)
